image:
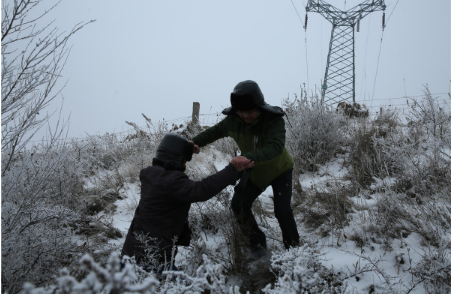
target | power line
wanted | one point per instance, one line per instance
(365, 56)
(321, 39)
(381, 42)
(404, 97)
(378, 63)
(307, 67)
(219, 113)
(299, 17)
(305, 41)
(396, 105)
(392, 12)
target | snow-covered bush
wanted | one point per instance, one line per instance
(428, 153)
(417, 154)
(208, 277)
(433, 271)
(132, 279)
(396, 215)
(123, 154)
(214, 217)
(300, 271)
(370, 153)
(236, 245)
(430, 119)
(415, 160)
(98, 279)
(39, 185)
(45, 211)
(314, 131)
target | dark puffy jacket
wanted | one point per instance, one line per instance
(166, 196)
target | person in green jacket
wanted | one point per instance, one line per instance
(259, 131)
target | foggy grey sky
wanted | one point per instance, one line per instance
(158, 57)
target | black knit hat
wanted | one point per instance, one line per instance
(174, 149)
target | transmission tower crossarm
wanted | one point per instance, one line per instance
(365, 8)
(327, 10)
(349, 17)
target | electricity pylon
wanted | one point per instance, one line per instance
(339, 81)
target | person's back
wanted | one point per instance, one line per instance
(160, 214)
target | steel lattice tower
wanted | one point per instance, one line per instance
(339, 81)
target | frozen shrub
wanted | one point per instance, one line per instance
(430, 119)
(205, 216)
(391, 216)
(433, 271)
(110, 279)
(208, 278)
(236, 245)
(39, 203)
(300, 271)
(395, 216)
(427, 153)
(145, 141)
(371, 153)
(416, 154)
(46, 207)
(214, 217)
(132, 279)
(314, 131)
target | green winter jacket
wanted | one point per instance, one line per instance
(271, 157)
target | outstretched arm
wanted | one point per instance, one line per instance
(188, 191)
(210, 135)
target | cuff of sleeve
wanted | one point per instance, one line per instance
(195, 141)
(234, 172)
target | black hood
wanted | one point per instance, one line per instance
(174, 149)
(246, 96)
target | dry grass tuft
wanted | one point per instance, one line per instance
(326, 208)
(368, 157)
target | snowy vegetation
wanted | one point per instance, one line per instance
(371, 197)
(379, 195)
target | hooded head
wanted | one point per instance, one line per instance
(247, 96)
(173, 151)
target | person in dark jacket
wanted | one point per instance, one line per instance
(166, 196)
(259, 131)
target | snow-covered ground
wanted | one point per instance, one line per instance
(369, 266)
(371, 199)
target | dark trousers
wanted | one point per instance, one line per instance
(282, 194)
